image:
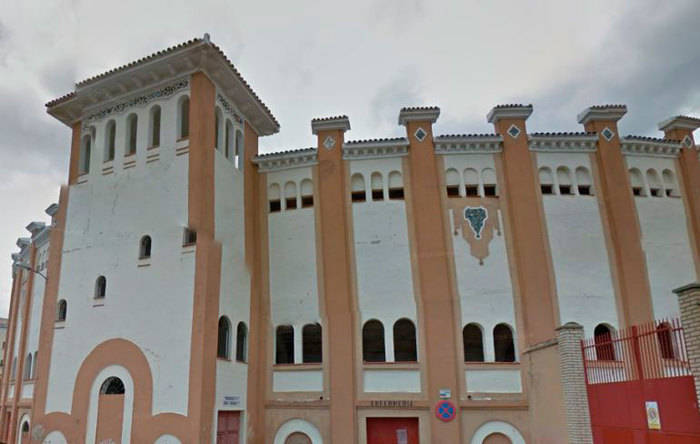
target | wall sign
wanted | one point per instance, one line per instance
(653, 418)
(232, 400)
(445, 411)
(391, 404)
(445, 393)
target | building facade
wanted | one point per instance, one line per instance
(416, 289)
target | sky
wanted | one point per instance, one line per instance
(365, 58)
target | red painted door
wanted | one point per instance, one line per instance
(392, 430)
(227, 428)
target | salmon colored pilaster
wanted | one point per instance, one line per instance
(9, 349)
(681, 128)
(74, 161)
(336, 290)
(536, 292)
(633, 294)
(201, 218)
(435, 290)
(256, 334)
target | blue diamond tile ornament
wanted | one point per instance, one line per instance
(420, 134)
(476, 216)
(329, 143)
(607, 133)
(514, 131)
(687, 141)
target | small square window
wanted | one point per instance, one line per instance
(584, 190)
(564, 189)
(490, 190)
(307, 201)
(637, 191)
(189, 238)
(291, 203)
(377, 194)
(547, 189)
(396, 193)
(359, 196)
(472, 190)
(275, 206)
(453, 191)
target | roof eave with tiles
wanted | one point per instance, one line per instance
(649, 147)
(468, 143)
(562, 142)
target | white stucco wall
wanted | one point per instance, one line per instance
(493, 380)
(297, 381)
(391, 381)
(577, 242)
(150, 306)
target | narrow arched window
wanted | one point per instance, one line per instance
(100, 287)
(132, 123)
(373, 342)
(228, 140)
(13, 372)
(377, 187)
(61, 310)
(218, 133)
(584, 184)
(154, 127)
(183, 118)
(239, 149)
(488, 177)
(452, 182)
(564, 179)
(359, 193)
(395, 186)
(670, 183)
(664, 334)
(34, 364)
(241, 342)
(473, 343)
(223, 344)
(110, 140)
(637, 182)
(405, 349)
(655, 187)
(284, 351)
(604, 349)
(273, 196)
(312, 347)
(25, 428)
(145, 247)
(471, 182)
(27, 368)
(503, 343)
(112, 386)
(546, 181)
(290, 195)
(85, 150)
(307, 193)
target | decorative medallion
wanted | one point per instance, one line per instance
(477, 219)
(687, 141)
(476, 216)
(420, 134)
(514, 131)
(445, 411)
(607, 133)
(329, 142)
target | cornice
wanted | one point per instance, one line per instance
(563, 142)
(418, 114)
(468, 144)
(341, 123)
(649, 147)
(511, 111)
(680, 122)
(602, 112)
(286, 160)
(375, 149)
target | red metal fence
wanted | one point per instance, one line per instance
(625, 369)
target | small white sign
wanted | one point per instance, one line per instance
(653, 418)
(232, 400)
(401, 436)
(445, 393)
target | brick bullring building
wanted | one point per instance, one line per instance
(428, 288)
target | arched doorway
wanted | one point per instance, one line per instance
(24, 431)
(497, 438)
(298, 438)
(110, 410)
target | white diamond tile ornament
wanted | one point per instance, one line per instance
(329, 142)
(514, 131)
(687, 141)
(607, 133)
(420, 134)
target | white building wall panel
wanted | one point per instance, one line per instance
(493, 381)
(297, 381)
(391, 381)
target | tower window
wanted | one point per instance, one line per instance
(377, 187)
(373, 342)
(273, 195)
(312, 343)
(290, 196)
(241, 342)
(131, 131)
(503, 343)
(359, 193)
(145, 247)
(546, 181)
(405, 341)
(61, 310)
(284, 352)
(155, 126)
(473, 343)
(189, 237)
(100, 287)
(110, 140)
(452, 182)
(184, 118)
(223, 344)
(395, 186)
(307, 194)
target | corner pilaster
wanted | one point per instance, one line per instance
(573, 381)
(689, 302)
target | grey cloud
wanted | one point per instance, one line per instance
(403, 90)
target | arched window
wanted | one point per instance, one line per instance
(637, 182)
(223, 344)
(655, 187)
(473, 343)
(503, 343)
(241, 342)
(583, 182)
(145, 247)
(228, 140)
(290, 195)
(471, 182)
(218, 129)
(312, 344)
(298, 438)
(604, 348)
(154, 126)
(110, 140)
(488, 177)
(373, 342)
(377, 187)
(405, 341)
(664, 333)
(100, 287)
(284, 351)
(132, 123)
(27, 368)
(112, 386)
(183, 118)
(85, 150)
(670, 183)
(395, 186)
(452, 182)
(25, 427)
(61, 310)
(273, 195)
(546, 181)
(359, 192)
(239, 149)
(13, 372)
(34, 364)
(307, 193)
(564, 179)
